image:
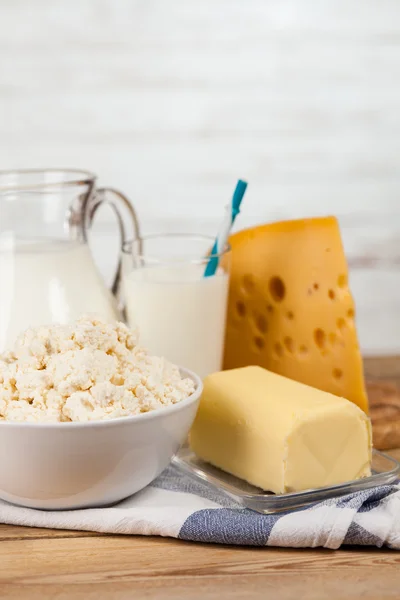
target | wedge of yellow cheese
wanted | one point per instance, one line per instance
(278, 434)
(290, 309)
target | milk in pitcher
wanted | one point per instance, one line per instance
(48, 282)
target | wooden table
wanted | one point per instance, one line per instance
(40, 564)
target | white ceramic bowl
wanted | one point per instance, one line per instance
(77, 465)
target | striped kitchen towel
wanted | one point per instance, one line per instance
(177, 506)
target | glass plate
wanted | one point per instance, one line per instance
(385, 470)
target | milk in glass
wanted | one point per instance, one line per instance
(180, 314)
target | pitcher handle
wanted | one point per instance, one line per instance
(127, 220)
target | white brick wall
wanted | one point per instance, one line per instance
(174, 100)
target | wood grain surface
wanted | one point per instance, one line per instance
(36, 564)
(384, 407)
(86, 568)
(383, 386)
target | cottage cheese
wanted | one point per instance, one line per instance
(87, 371)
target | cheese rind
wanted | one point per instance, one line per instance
(278, 434)
(290, 309)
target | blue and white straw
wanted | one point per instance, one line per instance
(232, 211)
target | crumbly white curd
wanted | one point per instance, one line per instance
(86, 371)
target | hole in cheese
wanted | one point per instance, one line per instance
(332, 338)
(261, 323)
(270, 308)
(331, 294)
(277, 289)
(337, 373)
(316, 286)
(290, 315)
(350, 313)
(289, 344)
(342, 281)
(248, 283)
(278, 349)
(341, 323)
(259, 343)
(320, 338)
(241, 308)
(303, 349)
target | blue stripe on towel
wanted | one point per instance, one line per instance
(229, 526)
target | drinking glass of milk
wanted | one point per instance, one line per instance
(47, 273)
(179, 312)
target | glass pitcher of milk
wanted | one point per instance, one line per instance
(47, 274)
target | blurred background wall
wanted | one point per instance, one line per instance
(172, 101)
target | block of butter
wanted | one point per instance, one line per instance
(278, 434)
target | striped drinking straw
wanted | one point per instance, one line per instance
(232, 211)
